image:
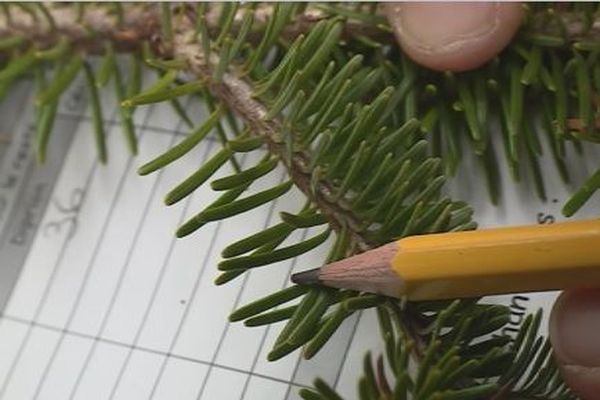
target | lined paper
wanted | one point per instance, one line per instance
(108, 304)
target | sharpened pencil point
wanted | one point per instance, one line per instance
(309, 277)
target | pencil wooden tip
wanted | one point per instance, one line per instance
(309, 277)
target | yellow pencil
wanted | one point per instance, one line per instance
(473, 263)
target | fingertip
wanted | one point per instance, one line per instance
(584, 381)
(574, 327)
(454, 36)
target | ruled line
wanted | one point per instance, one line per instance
(156, 287)
(99, 339)
(47, 288)
(235, 305)
(91, 265)
(66, 331)
(118, 287)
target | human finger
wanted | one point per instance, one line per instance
(574, 333)
(453, 36)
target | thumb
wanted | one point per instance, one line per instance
(453, 36)
(574, 333)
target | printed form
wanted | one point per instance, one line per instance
(99, 300)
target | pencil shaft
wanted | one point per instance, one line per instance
(505, 260)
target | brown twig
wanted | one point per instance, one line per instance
(96, 26)
(578, 124)
(141, 23)
(236, 93)
(571, 26)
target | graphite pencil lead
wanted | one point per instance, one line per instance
(309, 277)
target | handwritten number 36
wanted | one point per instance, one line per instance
(68, 212)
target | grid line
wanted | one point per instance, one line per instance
(90, 267)
(157, 286)
(235, 306)
(118, 287)
(268, 329)
(144, 349)
(34, 323)
(47, 288)
(114, 123)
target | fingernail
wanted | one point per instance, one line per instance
(444, 27)
(574, 328)
(583, 381)
(453, 36)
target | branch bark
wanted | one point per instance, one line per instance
(90, 30)
(142, 23)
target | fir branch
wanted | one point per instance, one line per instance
(141, 23)
(270, 97)
(238, 95)
(127, 34)
(459, 364)
(88, 27)
(96, 26)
